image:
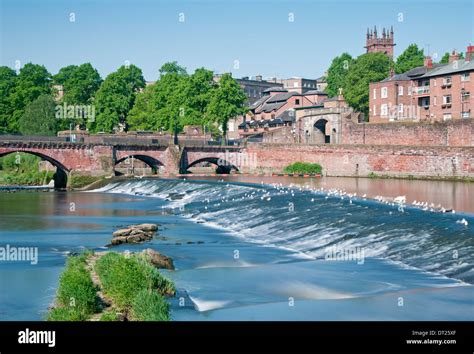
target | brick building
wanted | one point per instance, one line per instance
(432, 92)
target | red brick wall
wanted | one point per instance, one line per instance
(459, 132)
(351, 160)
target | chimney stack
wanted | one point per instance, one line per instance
(470, 53)
(453, 56)
(428, 62)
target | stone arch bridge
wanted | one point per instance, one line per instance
(100, 159)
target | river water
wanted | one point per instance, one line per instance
(247, 250)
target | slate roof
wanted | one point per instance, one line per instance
(315, 92)
(451, 68)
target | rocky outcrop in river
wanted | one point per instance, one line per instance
(134, 234)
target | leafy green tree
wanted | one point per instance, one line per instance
(32, 82)
(80, 83)
(7, 87)
(337, 73)
(172, 68)
(115, 98)
(227, 101)
(159, 105)
(367, 68)
(409, 59)
(39, 117)
(445, 58)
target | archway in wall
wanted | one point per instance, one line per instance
(60, 175)
(319, 132)
(138, 165)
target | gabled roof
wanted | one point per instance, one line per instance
(259, 102)
(269, 107)
(279, 97)
(456, 66)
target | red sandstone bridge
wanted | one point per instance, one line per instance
(101, 157)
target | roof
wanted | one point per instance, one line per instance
(281, 97)
(315, 92)
(288, 115)
(456, 66)
(275, 89)
(269, 107)
(321, 79)
(437, 70)
(258, 102)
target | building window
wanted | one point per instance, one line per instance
(374, 110)
(447, 99)
(465, 77)
(465, 96)
(384, 110)
(409, 90)
(400, 108)
(434, 100)
(297, 101)
(400, 90)
(384, 92)
(434, 82)
(466, 114)
(375, 94)
(447, 81)
(446, 116)
(295, 84)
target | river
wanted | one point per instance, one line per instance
(245, 249)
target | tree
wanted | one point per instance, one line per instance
(227, 101)
(172, 68)
(445, 58)
(39, 117)
(32, 82)
(80, 83)
(367, 68)
(337, 73)
(409, 59)
(115, 98)
(7, 87)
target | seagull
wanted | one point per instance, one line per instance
(462, 222)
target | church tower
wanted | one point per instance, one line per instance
(382, 44)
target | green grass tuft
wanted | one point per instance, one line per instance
(150, 306)
(123, 278)
(77, 295)
(303, 168)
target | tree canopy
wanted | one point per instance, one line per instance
(80, 83)
(7, 87)
(367, 68)
(39, 117)
(337, 73)
(445, 57)
(409, 59)
(179, 99)
(115, 98)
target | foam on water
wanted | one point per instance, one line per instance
(310, 222)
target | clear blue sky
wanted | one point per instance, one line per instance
(215, 33)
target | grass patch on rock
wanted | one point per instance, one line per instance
(76, 298)
(134, 285)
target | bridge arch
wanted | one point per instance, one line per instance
(152, 162)
(223, 166)
(61, 175)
